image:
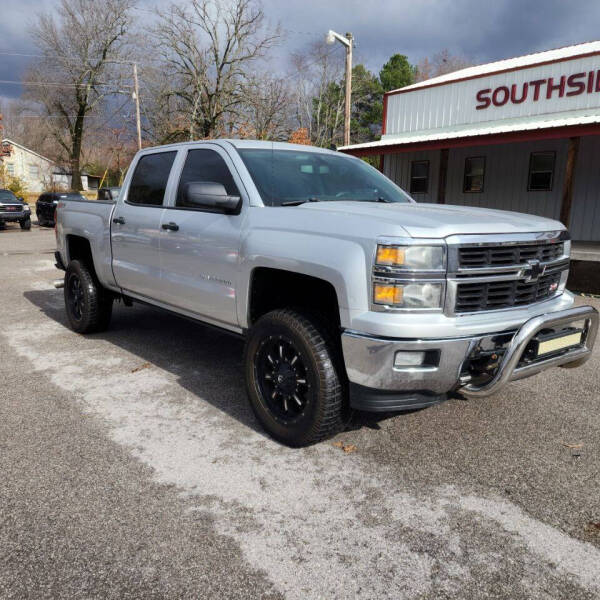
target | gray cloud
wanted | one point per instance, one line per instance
(482, 31)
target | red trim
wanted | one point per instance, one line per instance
(490, 73)
(383, 125)
(483, 140)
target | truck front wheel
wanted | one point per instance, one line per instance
(25, 224)
(88, 304)
(293, 378)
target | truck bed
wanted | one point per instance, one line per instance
(89, 219)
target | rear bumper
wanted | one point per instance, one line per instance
(376, 384)
(46, 212)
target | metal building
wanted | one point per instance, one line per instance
(521, 134)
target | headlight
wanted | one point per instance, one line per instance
(26, 207)
(416, 295)
(411, 258)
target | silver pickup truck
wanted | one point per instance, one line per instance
(350, 295)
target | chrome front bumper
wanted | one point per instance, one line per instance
(370, 360)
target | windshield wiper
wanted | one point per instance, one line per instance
(299, 202)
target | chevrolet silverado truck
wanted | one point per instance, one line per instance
(349, 294)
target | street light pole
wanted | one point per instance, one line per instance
(346, 40)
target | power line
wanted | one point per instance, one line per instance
(65, 57)
(59, 84)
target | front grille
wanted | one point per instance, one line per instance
(481, 257)
(11, 207)
(495, 295)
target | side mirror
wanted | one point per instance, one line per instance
(210, 195)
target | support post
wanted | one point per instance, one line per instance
(136, 93)
(348, 98)
(442, 176)
(567, 195)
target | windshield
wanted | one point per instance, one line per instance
(7, 196)
(285, 177)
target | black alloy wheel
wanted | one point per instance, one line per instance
(75, 297)
(88, 305)
(295, 377)
(282, 377)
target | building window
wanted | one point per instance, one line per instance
(419, 176)
(541, 171)
(474, 174)
(10, 169)
(34, 171)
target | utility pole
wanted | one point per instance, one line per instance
(346, 40)
(136, 95)
(348, 90)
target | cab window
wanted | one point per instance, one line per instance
(205, 165)
(149, 180)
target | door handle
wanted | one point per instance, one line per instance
(119, 220)
(170, 226)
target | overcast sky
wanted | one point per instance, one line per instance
(481, 30)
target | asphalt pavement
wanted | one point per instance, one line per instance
(131, 467)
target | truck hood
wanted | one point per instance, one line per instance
(439, 221)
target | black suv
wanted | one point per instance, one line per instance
(46, 205)
(13, 209)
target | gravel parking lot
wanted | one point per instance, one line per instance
(131, 466)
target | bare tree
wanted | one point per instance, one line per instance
(264, 113)
(79, 69)
(25, 123)
(319, 98)
(441, 63)
(207, 50)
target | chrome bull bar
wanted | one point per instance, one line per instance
(509, 371)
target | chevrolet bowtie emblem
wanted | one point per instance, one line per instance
(534, 270)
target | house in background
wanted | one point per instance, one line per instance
(61, 179)
(32, 168)
(38, 172)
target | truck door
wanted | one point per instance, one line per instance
(135, 227)
(199, 249)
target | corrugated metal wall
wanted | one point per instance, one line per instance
(506, 174)
(505, 185)
(397, 168)
(585, 213)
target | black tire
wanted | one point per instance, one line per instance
(87, 303)
(300, 402)
(25, 224)
(41, 222)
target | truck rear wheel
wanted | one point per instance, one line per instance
(88, 304)
(293, 378)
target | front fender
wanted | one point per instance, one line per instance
(343, 263)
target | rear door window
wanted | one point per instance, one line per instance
(150, 178)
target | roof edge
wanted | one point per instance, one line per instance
(436, 82)
(13, 143)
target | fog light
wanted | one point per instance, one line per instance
(409, 359)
